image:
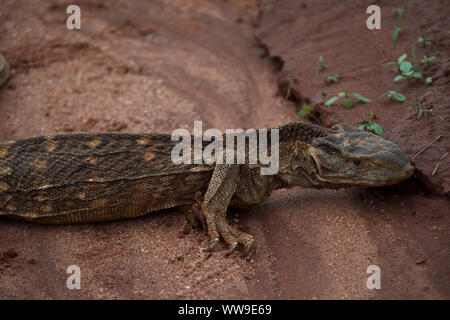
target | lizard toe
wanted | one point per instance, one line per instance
(234, 237)
(219, 228)
(213, 244)
(232, 248)
(247, 249)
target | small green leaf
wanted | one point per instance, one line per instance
(429, 80)
(377, 128)
(426, 59)
(424, 41)
(320, 65)
(306, 108)
(348, 103)
(401, 58)
(395, 34)
(409, 73)
(419, 113)
(399, 96)
(302, 113)
(372, 127)
(405, 66)
(334, 78)
(342, 94)
(416, 75)
(399, 77)
(331, 101)
(387, 95)
(400, 12)
(361, 98)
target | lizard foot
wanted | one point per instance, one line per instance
(218, 226)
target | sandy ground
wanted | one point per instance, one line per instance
(159, 65)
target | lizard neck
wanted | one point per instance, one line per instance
(296, 168)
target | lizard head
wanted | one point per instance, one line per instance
(352, 157)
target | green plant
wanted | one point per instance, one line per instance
(419, 111)
(371, 126)
(424, 41)
(333, 78)
(407, 71)
(406, 68)
(398, 62)
(393, 94)
(427, 60)
(348, 102)
(395, 33)
(400, 12)
(398, 28)
(306, 111)
(320, 65)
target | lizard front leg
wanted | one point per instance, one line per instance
(221, 188)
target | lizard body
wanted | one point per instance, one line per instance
(89, 177)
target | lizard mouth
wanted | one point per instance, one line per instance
(406, 173)
(384, 181)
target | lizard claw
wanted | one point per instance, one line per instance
(213, 244)
(247, 249)
(232, 248)
(219, 227)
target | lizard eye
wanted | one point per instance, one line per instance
(357, 162)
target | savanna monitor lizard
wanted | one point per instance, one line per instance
(89, 177)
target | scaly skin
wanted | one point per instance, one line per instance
(89, 177)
